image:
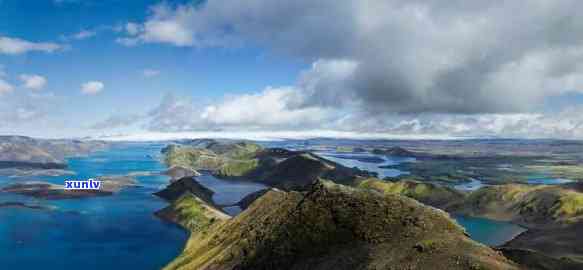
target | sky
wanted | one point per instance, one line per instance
(271, 68)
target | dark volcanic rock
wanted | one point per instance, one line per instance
(277, 153)
(300, 171)
(559, 242)
(297, 172)
(178, 172)
(32, 165)
(250, 198)
(23, 205)
(537, 261)
(185, 185)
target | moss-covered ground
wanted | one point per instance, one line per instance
(337, 227)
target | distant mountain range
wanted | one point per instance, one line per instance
(26, 152)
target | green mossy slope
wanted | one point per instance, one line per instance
(192, 213)
(525, 204)
(230, 159)
(336, 227)
(274, 167)
(427, 193)
(193, 158)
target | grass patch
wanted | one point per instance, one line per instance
(236, 168)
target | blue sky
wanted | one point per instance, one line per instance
(73, 68)
(202, 75)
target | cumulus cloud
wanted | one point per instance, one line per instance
(132, 28)
(92, 87)
(149, 73)
(303, 107)
(263, 110)
(174, 114)
(15, 46)
(564, 125)
(269, 111)
(117, 121)
(399, 56)
(175, 25)
(398, 67)
(5, 87)
(269, 108)
(33, 81)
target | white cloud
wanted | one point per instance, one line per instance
(132, 28)
(165, 25)
(84, 34)
(286, 109)
(5, 87)
(273, 111)
(269, 108)
(33, 81)
(116, 121)
(411, 56)
(263, 135)
(28, 109)
(174, 114)
(167, 31)
(148, 73)
(387, 67)
(92, 87)
(24, 114)
(14, 46)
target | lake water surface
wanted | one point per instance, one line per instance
(114, 232)
(368, 162)
(489, 232)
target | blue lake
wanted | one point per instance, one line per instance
(470, 185)
(114, 232)
(489, 232)
(228, 192)
(375, 163)
(548, 181)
